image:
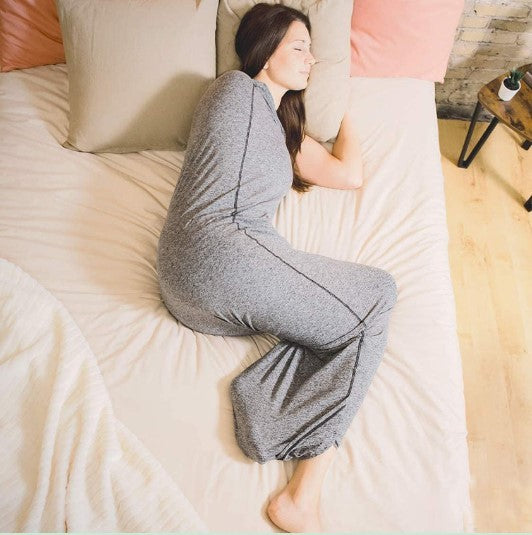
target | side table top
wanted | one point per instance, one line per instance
(515, 113)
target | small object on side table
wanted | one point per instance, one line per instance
(514, 113)
(510, 85)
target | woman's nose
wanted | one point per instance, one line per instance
(311, 58)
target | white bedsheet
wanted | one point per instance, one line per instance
(86, 226)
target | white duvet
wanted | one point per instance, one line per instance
(67, 464)
(145, 400)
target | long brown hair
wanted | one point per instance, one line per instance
(260, 31)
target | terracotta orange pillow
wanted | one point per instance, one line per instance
(403, 38)
(30, 34)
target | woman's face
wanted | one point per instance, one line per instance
(290, 64)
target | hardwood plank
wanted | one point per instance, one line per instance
(490, 253)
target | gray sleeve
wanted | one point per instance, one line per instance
(221, 124)
(228, 105)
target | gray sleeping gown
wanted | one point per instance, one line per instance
(225, 270)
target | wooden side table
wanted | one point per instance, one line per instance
(515, 113)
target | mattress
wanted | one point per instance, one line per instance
(83, 228)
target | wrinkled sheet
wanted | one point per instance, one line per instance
(86, 226)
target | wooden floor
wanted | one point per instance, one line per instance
(490, 251)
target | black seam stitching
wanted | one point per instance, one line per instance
(342, 404)
(291, 447)
(243, 158)
(283, 456)
(311, 280)
(244, 230)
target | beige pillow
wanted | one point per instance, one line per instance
(136, 70)
(327, 93)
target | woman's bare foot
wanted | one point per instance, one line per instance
(293, 516)
(296, 508)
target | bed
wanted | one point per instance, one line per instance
(117, 417)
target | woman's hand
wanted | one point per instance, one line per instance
(347, 149)
(339, 167)
(316, 165)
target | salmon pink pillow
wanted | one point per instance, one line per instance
(30, 34)
(403, 38)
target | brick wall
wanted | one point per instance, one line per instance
(492, 37)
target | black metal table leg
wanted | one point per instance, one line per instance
(465, 163)
(528, 204)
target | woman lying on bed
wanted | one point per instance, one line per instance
(225, 270)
